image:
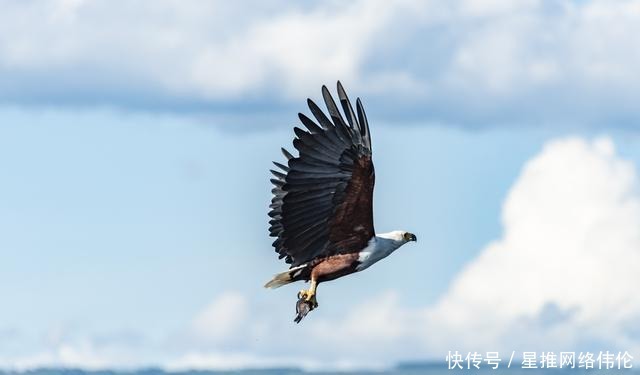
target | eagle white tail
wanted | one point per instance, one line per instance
(284, 278)
(279, 280)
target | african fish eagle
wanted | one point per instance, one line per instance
(322, 206)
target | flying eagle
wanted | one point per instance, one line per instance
(322, 206)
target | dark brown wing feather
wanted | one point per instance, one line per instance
(323, 199)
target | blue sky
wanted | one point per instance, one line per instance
(135, 145)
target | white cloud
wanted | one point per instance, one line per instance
(563, 274)
(200, 49)
(221, 320)
(358, 323)
(221, 361)
(82, 355)
(225, 336)
(461, 61)
(215, 360)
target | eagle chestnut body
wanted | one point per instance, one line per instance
(322, 208)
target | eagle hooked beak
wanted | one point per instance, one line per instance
(412, 237)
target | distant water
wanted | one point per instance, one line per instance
(429, 369)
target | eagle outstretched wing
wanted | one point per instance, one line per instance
(323, 199)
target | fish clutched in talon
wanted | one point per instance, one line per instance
(304, 305)
(322, 206)
(306, 302)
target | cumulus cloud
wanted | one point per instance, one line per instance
(471, 62)
(224, 361)
(563, 274)
(221, 319)
(77, 355)
(65, 346)
(198, 52)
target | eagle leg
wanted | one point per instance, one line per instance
(310, 295)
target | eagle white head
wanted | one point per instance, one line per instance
(399, 236)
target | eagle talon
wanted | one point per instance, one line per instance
(310, 298)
